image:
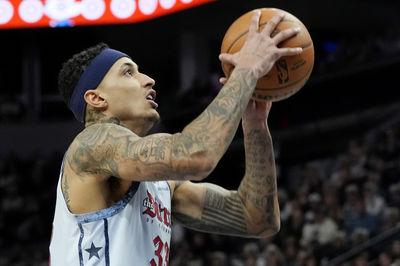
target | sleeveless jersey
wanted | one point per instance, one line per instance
(134, 231)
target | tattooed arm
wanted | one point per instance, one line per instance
(209, 208)
(107, 149)
(253, 209)
(258, 188)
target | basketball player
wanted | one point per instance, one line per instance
(119, 188)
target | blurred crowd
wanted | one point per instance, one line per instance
(328, 206)
(27, 200)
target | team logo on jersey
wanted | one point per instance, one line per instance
(154, 209)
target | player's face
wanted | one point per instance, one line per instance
(129, 94)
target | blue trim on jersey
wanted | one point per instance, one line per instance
(110, 211)
(170, 191)
(63, 162)
(106, 251)
(62, 169)
(80, 245)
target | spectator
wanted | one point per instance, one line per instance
(338, 246)
(385, 259)
(250, 254)
(352, 197)
(218, 258)
(322, 229)
(361, 260)
(271, 256)
(394, 195)
(360, 219)
(391, 217)
(374, 203)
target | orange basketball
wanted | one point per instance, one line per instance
(289, 73)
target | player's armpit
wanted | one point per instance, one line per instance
(111, 150)
(210, 208)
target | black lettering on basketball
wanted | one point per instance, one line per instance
(282, 69)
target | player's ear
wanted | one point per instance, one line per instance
(94, 99)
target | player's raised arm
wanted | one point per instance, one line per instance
(194, 152)
(252, 210)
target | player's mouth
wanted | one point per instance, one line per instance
(151, 97)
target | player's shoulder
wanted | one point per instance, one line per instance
(102, 133)
(97, 142)
(108, 130)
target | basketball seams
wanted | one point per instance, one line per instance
(274, 97)
(247, 31)
(307, 45)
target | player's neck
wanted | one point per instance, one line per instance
(140, 127)
(94, 116)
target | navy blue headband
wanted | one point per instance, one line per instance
(91, 78)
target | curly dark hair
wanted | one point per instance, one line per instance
(73, 68)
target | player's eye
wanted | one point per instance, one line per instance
(128, 73)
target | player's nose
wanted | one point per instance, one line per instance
(147, 81)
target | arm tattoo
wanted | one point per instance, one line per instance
(103, 144)
(215, 128)
(211, 132)
(222, 213)
(148, 150)
(226, 212)
(96, 150)
(259, 187)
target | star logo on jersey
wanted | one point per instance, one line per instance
(93, 251)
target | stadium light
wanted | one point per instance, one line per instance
(68, 13)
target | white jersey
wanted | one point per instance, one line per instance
(134, 231)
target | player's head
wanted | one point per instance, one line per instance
(100, 82)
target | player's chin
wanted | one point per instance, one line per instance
(151, 122)
(154, 116)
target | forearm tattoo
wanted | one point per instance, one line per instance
(217, 125)
(222, 213)
(259, 187)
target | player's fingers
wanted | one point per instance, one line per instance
(272, 23)
(290, 51)
(251, 104)
(254, 22)
(286, 34)
(227, 58)
(223, 80)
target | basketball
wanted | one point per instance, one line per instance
(289, 73)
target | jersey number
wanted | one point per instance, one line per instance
(160, 245)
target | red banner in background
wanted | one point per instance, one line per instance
(68, 13)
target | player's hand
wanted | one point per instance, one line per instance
(260, 51)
